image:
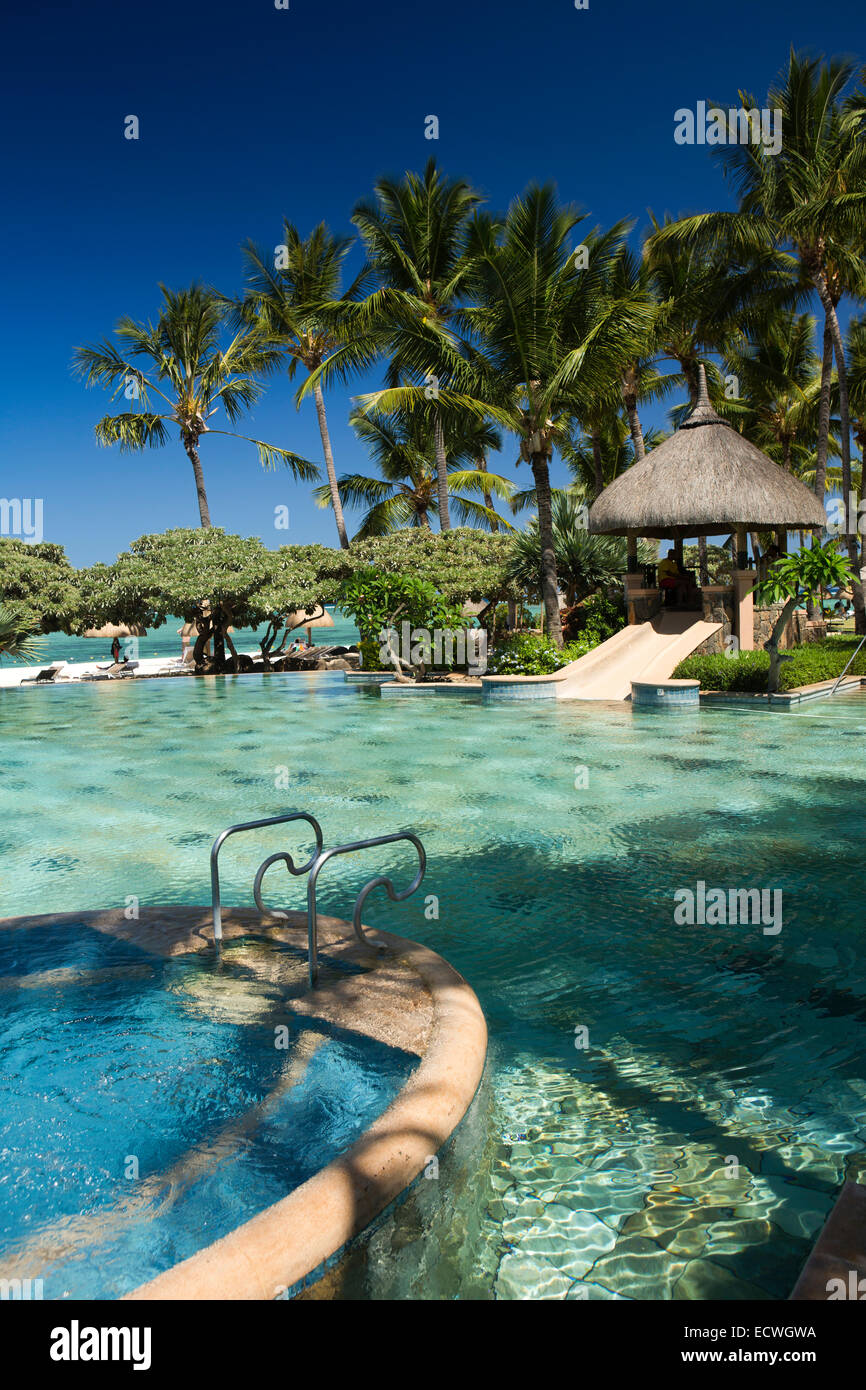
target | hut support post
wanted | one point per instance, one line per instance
(744, 605)
(742, 549)
(782, 542)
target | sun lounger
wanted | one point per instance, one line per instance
(116, 671)
(47, 676)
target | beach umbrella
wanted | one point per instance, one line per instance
(116, 630)
(299, 619)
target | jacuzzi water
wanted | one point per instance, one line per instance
(145, 1110)
(695, 1146)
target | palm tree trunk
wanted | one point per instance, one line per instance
(597, 464)
(488, 496)
(441, 476)
(192, 454)
(823, 443)
(336, 503)
(824, 415)
(851, 527)
(549, 587)
(635, 427)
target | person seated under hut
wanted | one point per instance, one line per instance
(674, 581)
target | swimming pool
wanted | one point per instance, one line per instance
(694, 1147)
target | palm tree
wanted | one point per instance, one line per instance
(285, 294)
(545, 333)
(610, 451)
(810, 199)
(782, 400)
(17, 639)
(584, 562)
(780, 381)
(406, 494)
(709, 309)
(639, 379)
(414, 236)
(191, 373)
(856, 352)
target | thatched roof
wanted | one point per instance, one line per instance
(704, 480)
(298, 618)
(116, 630)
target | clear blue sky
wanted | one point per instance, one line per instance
(248, 113)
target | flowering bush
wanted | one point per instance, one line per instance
(528, 655)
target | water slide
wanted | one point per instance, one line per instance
(640, 652)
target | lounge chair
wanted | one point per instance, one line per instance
(117, 670)
(47, 676)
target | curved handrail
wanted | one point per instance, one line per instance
(383, 882)
(255, 825)
(312, 917)
(263, 869)
(316, 863)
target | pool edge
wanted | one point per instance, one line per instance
(276, 1251)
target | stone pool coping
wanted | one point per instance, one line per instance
(839, 1252)
(801, 694)
(405, 995)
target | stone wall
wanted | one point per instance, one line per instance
(718, 607)
(798, 631)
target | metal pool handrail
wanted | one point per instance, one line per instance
(313, 868)
(254, 825)
(845, 672)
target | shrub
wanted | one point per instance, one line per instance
(529, 655)
(597, 618)
(816, 661)
(375, 599)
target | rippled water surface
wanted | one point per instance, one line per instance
(695, 1146)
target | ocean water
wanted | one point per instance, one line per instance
(165, 641)
(670, 1108)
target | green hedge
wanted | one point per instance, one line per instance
(817, 661)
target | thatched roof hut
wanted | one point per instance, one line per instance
(705, 480)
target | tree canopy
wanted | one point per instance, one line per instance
(463, 564)
(181, 572)
(39, 583)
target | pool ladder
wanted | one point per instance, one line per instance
(314, 867)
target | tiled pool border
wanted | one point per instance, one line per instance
(290, 1245)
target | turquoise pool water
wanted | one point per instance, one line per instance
(145, 1110)
(695, 1146)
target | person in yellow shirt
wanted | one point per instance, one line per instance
(671, 578)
